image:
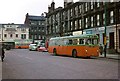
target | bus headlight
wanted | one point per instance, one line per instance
(86, 50)
(97, 51)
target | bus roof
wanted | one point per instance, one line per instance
(76, 36)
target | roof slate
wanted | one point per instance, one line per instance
(36, 17)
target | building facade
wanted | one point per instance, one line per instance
(10, 32)
(53, 21)
(88, 18)
(36, 26)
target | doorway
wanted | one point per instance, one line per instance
(111, 42)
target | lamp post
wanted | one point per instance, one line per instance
(116, 20)
(105, 40)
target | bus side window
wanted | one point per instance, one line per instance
(74, 41)
(88, 41)
(70, 42)
(81, 41)
(66, 42)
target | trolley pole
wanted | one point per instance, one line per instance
(105, 39)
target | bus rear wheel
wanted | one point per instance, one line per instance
(19, 47)
(54, 52)
(74, 53)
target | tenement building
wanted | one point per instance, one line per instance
(36, 26)
(86, 18)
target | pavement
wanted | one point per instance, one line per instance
(115, 56)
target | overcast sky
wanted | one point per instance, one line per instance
(14, 11)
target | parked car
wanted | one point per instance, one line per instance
(33, 47)
(42, 48)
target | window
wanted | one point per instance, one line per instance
(57, 29)
(42, 29)
(81, 41)
(49, 30)
(111, 17)
(70, 42)
(86, 6)
(39, 37)
(16, 35)
(63, 25)
(43, 23)
(80, 9)
(5, 35)
(23, 36)
(53, 29)
(35, 36)
(76, 10)
(43, 37)
(92, 21)
(76, 24)
(75, 41)
(91, 5)
(98, 4)
(86, 23)
(71, 12)
(71, 25)
(11, 35)
(39, 23)
(103, 18)
(80, 23)
(98, 20)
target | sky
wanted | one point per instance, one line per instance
(14, 11)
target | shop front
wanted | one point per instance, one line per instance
(110, 34)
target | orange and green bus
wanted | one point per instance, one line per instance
(22, 43)
(85, 45)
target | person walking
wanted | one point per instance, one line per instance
(2, 53)
(101, 49)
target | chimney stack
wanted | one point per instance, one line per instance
(67, 2)
(53, 5)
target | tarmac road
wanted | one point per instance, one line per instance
(25, 64)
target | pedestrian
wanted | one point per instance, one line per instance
(101, 49)
(2, 53)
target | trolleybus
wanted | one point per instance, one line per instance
(85, 45)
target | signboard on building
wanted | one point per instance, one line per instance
(89, 32)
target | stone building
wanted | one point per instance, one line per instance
(11, 32)
(87, 18)
(36, 26)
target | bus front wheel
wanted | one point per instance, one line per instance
(54, 52)
(74, 53)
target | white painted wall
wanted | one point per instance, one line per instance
(18, 31)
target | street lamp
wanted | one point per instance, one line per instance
(116, 20)
(105, 39)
